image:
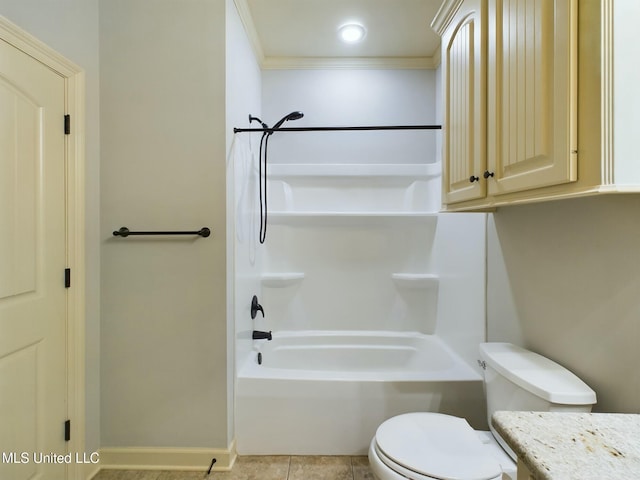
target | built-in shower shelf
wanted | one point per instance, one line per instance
(347, 218)
(279, 280)
(416, 280)
(386, 172)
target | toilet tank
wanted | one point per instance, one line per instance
(517, 379)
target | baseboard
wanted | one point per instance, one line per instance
(156, 458)
(90, 470)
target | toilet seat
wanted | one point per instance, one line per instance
(434, 446)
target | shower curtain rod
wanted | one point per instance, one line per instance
(333, 129)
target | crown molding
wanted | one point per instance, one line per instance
(445, 13)
(250, 28)
(338, 63)
(437, 57)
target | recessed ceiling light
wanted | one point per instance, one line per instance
(352, 32)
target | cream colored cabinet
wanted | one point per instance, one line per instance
(531, 94)
(531, 116)
(464, 113)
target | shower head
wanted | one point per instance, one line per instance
(291, 116)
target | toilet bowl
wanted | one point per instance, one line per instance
(436, 446)
(426, 446)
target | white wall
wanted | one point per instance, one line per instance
(351, 98)
(564, 280)
(244, 256)
(164, 324)
(71, 28)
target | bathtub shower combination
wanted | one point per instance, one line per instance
(376, 306)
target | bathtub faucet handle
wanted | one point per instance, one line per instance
(255, 307)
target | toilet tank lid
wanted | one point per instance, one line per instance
(537, 374)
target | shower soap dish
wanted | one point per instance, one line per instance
(279, 280)
(416, 280)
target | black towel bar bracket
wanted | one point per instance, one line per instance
(125, 232)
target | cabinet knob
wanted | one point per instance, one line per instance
(487, 174)
(473, 179)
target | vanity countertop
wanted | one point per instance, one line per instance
(568, 446)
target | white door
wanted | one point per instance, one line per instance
(33, 299)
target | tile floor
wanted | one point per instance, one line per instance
(263, 468)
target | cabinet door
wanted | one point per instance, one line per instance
(464, 116)
(531, 94)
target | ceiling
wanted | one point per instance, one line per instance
(305, 31)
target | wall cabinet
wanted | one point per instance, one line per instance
(530, 100)
(531, 88)
(464, 47)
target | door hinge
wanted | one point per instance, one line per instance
(67, 124)
(67, 277)
(67, 431)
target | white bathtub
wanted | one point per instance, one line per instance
(325, 393)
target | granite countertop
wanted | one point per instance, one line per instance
(568, 446)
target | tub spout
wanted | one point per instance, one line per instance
(257, 335)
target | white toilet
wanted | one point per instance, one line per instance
(428, 446)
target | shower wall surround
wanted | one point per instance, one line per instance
(363, 247)
(355, 240)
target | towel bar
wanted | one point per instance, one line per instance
(125, 232)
